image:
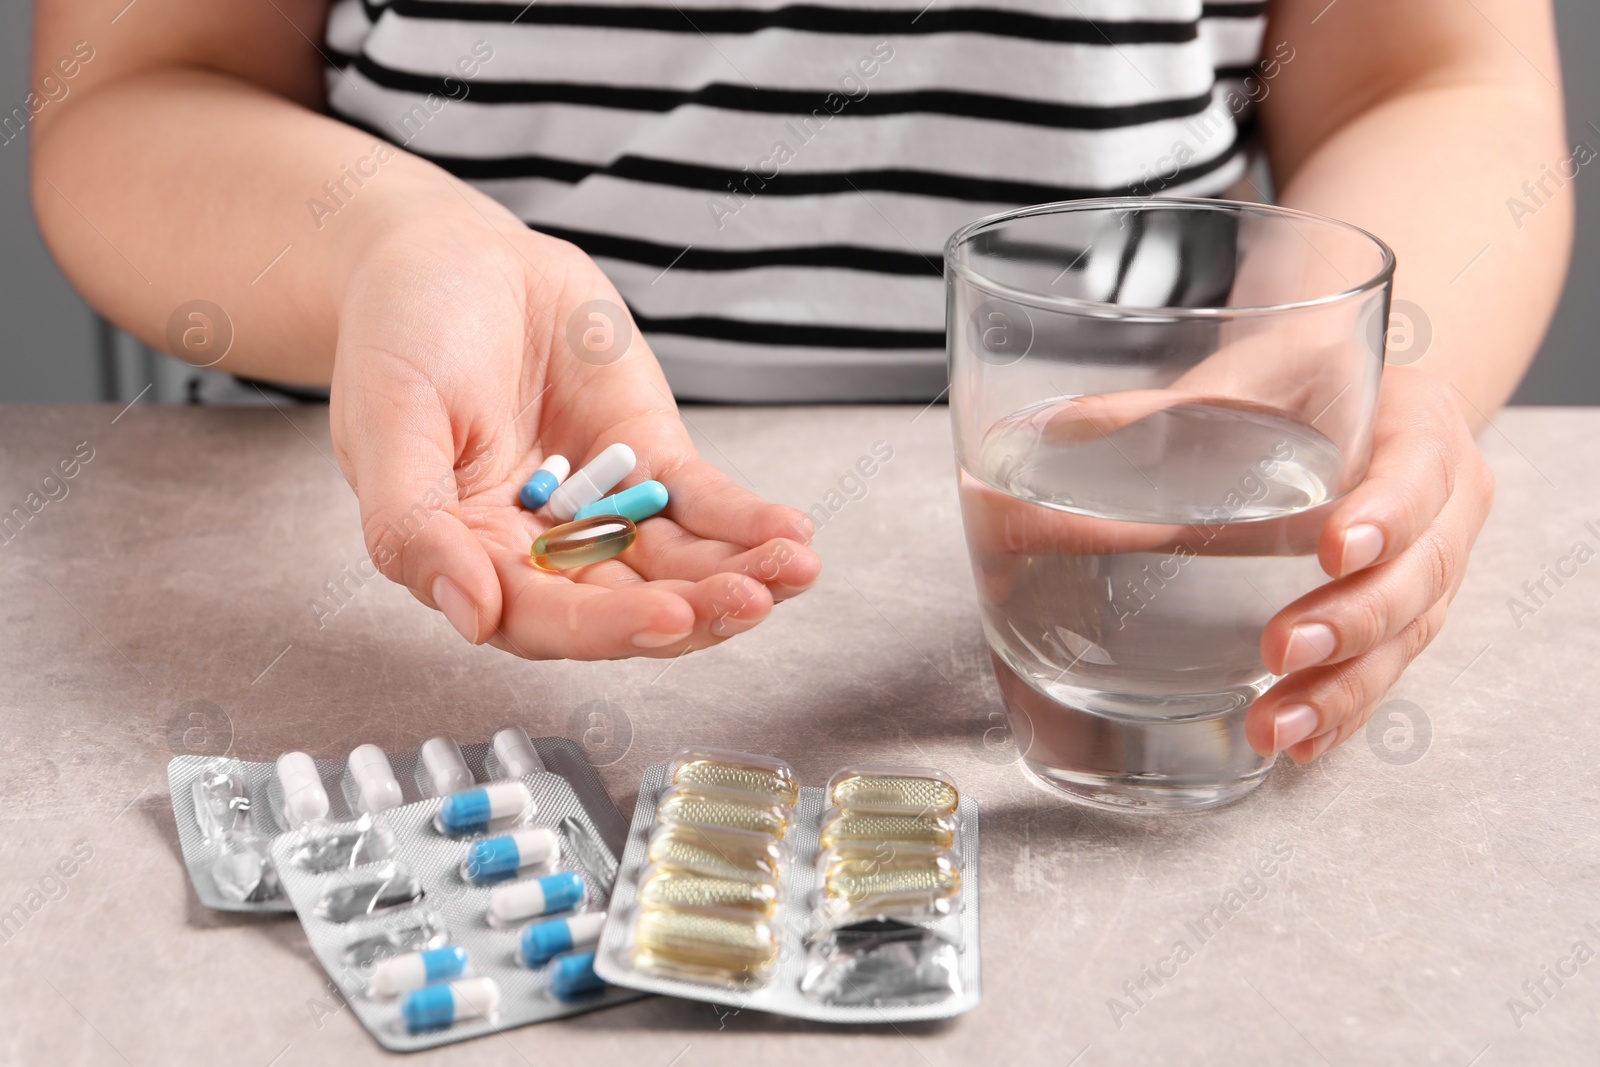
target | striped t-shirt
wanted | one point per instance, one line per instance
(769, 184)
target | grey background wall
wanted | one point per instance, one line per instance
(54, 349)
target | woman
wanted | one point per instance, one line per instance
(768, 188)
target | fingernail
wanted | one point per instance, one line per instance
(804, 530)
(1323, 743)
(1292, 725)
(462, 612)
(1309, 644)
(656, 639)
(728, 625)
(1363, 544)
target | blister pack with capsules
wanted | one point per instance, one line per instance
(229, 811)
(854, 902)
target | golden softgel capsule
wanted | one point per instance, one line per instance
(736, 770)
(664, 887)
(888, 789)
(889, 875)
(702, 946)
(578, 544)
(710, 806)
(844, 827)
(717, 852)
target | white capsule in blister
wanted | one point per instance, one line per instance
(304, 799)
(447, 770)
(516, 753)
(376, 787)
(597, 478)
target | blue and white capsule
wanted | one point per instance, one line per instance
(597, 478)
(551, 473)
(473, 811)
(495, 859)
(542, 942)
(637, 503)
(413, 970)
(573, 976)
(435, 1006)
(511, 904)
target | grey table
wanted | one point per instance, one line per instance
(1429, 875)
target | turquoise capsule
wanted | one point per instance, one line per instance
(638, 503)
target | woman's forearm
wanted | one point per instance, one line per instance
(1480, 278)
(1424, 122)
(179, 184)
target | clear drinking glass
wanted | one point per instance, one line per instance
(1156, 403)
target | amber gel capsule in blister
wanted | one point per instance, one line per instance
(578, 544)
(717, 852)
(771, 778)
(862, 881)
(664, 887)
(701, 946)
(911, 790)
(710, 806)
(841, 827)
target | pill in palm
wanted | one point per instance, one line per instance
(434, 1006)
(578, 544)
(597, 478)
(637, 503)
(413, 970)
(472, 811)
(551, 473)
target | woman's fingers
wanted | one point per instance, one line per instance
(403, 469)
(709, 504)
(1422, 456)
(1308, 712)
(666, 550)
(1354, 615)
(560, 619)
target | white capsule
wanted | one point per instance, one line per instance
(304, 799)
(598, 477)
(376, 788)
(516, 753)
(413, 970)
(558, 466)
(447, 771)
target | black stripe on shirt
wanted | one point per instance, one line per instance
(649, 171)
(806, 335)
(811, 19)
(1234, 11)
(790, 101)
(838, 257)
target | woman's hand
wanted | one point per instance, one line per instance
(454, 379)
(1397, 547)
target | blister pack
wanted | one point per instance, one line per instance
(482, 916)
(229, 811)
(857, 902)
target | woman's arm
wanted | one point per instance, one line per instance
(181, 166)
(1418, 121)
(1422, 122)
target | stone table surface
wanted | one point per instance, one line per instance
(1436, 897)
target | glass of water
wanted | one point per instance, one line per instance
(1156, 404)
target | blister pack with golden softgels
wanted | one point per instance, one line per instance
(853, 902)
